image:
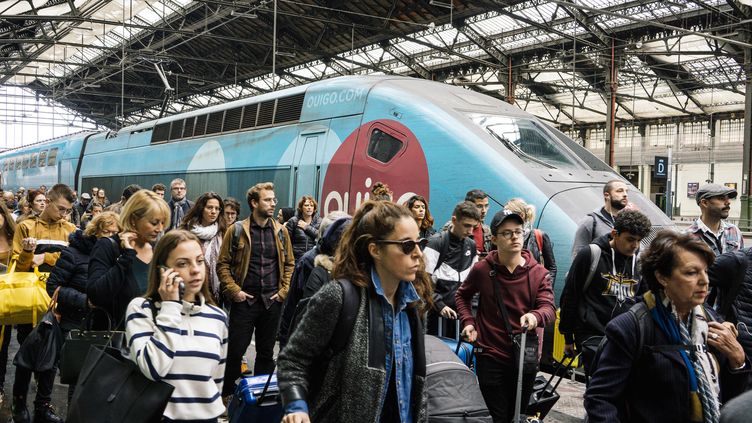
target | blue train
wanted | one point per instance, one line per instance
(334, 139)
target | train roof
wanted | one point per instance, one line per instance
(448, 96)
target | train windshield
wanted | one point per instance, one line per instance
(529, 141)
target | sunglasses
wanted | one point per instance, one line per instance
(408, 245)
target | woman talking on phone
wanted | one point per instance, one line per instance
(176, 333)
(119, 265)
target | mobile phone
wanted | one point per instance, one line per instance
(181, 284)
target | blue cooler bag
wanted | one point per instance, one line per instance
(252, 405)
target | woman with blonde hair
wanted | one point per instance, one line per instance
(380, 257)
(180, 337)
(118, 268)
(536, 241)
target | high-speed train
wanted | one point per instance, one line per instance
(334, 139)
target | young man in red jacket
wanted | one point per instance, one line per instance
(523, 285)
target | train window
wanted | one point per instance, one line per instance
(200, 126)
(232, 119)
(42, 158)
(188, 127)
(249, 116)
(266, 113)
(18, 163)
(529, 141)
(33, 162)
(176, 130)
(161, 133)
(25, 162)
(382, 146)
(215, 123)
(52, 157)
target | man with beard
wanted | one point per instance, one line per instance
(600, 222)
(254, 267)
(715, 202)
(179, 203)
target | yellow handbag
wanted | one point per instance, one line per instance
(23, 296)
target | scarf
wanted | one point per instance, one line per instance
(177, 212)
(701, 365)
(211, 243)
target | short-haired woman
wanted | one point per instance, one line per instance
(668, 359)
(380, 254)
(418, 206)
(118, 267)
(304, 226)
(232, 211)
(206, 220)
(181, 341)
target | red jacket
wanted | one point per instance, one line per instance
(515, 290)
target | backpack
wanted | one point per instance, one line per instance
(345, 323)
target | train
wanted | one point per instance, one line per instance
(334, 139)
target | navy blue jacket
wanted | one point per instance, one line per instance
(71, 275)
(652, 387)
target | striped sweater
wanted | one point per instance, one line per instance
(187, 348)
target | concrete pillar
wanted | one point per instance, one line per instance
(746, 203)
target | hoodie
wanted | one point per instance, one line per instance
(597, 223)
(612, 291)
(515, 289)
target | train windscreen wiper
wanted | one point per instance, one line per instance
(517, 150)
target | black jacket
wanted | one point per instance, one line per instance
(303, 239)
(648, 387)
(71, 275)
(585, 314)
(111, 282)
(732, 275)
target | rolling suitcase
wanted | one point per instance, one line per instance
(544, 394)
(463, 350)
(256, 400)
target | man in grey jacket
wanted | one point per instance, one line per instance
(600, 222)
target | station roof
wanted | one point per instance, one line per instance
(111, 61)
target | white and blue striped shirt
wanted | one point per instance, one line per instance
(187, 348)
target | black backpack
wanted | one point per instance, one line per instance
(346, 322)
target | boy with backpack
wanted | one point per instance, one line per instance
(602, 283)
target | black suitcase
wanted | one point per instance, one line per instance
(544, 394)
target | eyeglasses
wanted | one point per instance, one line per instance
(408, 245)
(510, 234)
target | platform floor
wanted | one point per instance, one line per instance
(567, 410)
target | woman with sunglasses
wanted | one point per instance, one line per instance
(380, 255)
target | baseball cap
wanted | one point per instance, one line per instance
(714, 190)
(501, 216)
(86, 196)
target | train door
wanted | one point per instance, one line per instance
(380, 157)
(307, 165)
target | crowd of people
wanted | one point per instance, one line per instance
(192, 284)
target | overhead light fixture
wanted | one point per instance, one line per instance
(440, 4)
(138, 100)
(237, 14)
(92, 86)
(194, 82)
(286, 53)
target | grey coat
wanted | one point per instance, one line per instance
(597, 223)
(353, 382)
